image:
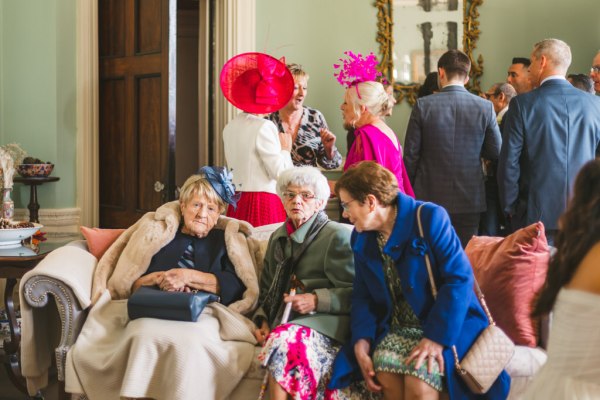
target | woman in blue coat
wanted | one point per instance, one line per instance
(401, 337)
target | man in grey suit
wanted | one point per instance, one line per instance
(549, 134)
(448, 133)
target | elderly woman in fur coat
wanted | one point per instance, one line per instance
(184, 245)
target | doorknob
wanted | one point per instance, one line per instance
(158, 186)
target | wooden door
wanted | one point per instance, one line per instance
(137, 108)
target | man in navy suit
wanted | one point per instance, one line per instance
(448, 133)
(549, 134)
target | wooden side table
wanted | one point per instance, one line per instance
(14, 263)
(34, 182)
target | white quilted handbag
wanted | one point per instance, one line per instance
(491, 351)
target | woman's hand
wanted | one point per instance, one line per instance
(302, 303)
(261, 333)
(186, 280)
(361, 351)
(175, 279)
(328, 140)
(286, 141)
(153, 279)
(427, 350)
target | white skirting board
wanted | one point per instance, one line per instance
(58, 222)
(64, 222)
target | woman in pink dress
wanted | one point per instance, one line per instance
(365, 102)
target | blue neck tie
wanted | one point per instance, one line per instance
(187, 258)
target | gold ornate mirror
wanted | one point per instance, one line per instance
(413, 34)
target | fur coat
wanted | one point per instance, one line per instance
(129, 256)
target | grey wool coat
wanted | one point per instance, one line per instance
(326, 268)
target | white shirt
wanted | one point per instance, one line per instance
(552, 77)
(501, 114)
(462, 85)
(253, 152)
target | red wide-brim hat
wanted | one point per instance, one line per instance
(257, 83)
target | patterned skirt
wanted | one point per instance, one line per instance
(300, 359)
(405, 333)
(391, 353)
(258, 208)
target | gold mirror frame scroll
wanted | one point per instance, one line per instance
(385, 23)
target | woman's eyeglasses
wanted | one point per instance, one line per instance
(595, 69)
(306, 196)
(345, 205)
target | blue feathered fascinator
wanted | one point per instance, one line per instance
(221, 180)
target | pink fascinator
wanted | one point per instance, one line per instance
(356, 69)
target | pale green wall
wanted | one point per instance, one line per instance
(316, 32)
(511, 27)
(37, 62)
(37, 90)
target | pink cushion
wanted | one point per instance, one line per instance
(510, 272)
(99, 240)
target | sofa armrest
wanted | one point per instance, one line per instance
(65, 275)
(37, 291)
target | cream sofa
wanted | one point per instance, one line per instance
(57, 294)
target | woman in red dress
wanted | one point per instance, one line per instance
(255, 151)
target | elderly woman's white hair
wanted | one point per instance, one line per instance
(305, 176)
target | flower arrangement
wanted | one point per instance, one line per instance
(10, 155)
(356, 69)
(33, 242)
(38, 237)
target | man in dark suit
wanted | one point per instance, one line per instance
(492, 220)
(500, 94)
(549, 133)
(448, 133)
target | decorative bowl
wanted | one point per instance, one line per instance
(11, 237)
(35, 170)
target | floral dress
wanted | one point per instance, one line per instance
(308, 149)
(405, 333)
(300, 360)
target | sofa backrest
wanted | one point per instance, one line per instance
(261, 236)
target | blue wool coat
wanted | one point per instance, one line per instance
(455, 318)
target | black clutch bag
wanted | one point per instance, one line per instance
(151, 302)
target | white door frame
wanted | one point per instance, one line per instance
(235, 33)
